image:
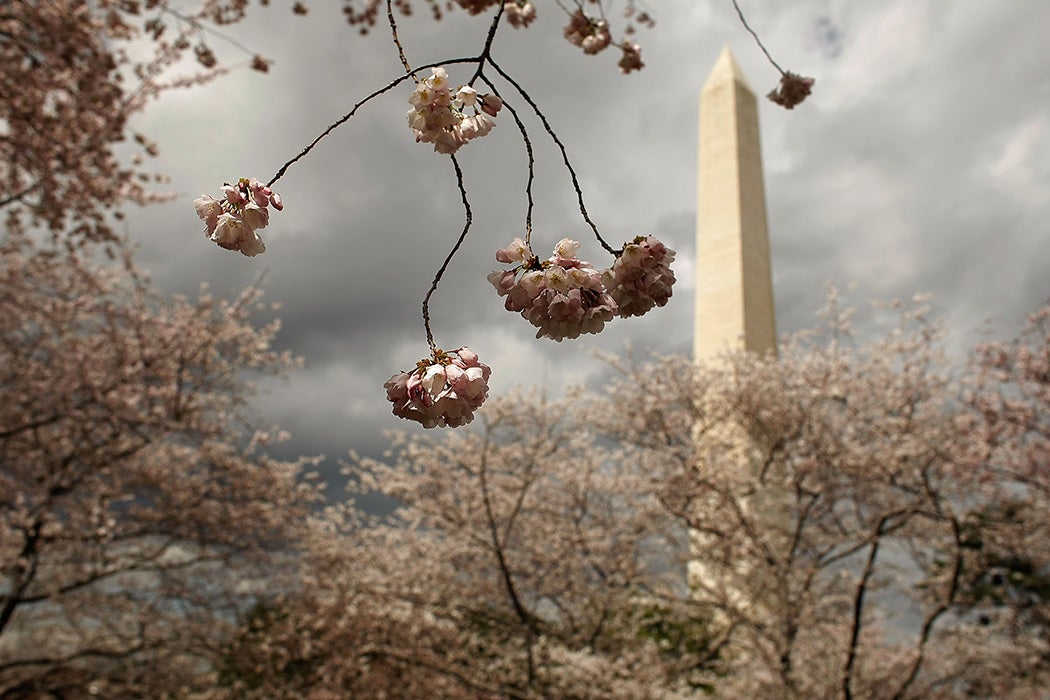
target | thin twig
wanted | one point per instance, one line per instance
(564, 155)
(18, 195)
(758, 41)
(342, 120)
(532, 162)
(564, 9)
(448, 258)
(204, 28)
(487, 48)
(393, 32)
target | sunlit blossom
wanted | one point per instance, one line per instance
(466, 96)
(516, 252)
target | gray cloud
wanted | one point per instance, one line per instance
(919, 164)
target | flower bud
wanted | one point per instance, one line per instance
(491, 104)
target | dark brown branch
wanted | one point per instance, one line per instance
(936, 613)
(508, 578)
(532, 163)
(451, 253)
(346, 117)
(397, 40)
(564, 155)
(487, 48)
(858, 609)
(758, 41)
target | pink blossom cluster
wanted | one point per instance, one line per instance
(562, 296)
(792, 90)
(641, 277)
(591, 35)
(565, 297)
(442, 390)
(232, 222)
(438, 115)
(520, 13)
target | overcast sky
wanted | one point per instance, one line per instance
(921, 163)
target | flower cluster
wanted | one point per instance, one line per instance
(520, 13)
(592, 35)
(792, 90)
(232, 222)
(641, 277)
(444, 389)
(631, 59)
(438, 116)
(562, 296)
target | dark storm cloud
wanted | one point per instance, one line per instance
(919, 164)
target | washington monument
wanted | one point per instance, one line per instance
(734, 285)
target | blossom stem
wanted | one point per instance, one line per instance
(740, 14)
(397, 40)
(487, 48)
(564, 154)
(202, 28)
(567, 11)
(346, 117)
(468, 218)
(532, 162)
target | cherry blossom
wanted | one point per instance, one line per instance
(520, 14)
(631, 59)
(592, 35)
(442, 390)
(641, 277)
(491, 104)
(232, 222)
(793, 89)
(140, 503)
(438, 117)
(73, 74)
(562, 296)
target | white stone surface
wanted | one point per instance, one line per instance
(734, 286)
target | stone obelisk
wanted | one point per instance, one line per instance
(734, 285)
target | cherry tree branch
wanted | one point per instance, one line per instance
(931, 618)
(740, 14)
(204, 28)
(531, 159)
(486, 50)
(858, 608)
(498, 550)
(394, 36)
(564, 154)
(346, 117)
(448, 258)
